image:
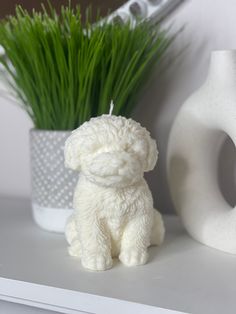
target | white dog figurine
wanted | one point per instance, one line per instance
(114, 214)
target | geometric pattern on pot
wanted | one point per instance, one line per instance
(52, 184)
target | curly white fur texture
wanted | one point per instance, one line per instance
(114, 214)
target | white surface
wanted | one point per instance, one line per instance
(14, 308)
(209, 25)
(183, 275)
(203, 123)
(71, 302)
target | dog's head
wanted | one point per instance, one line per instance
(111, 151)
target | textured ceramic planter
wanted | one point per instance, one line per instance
(202, 125)
(52, 183)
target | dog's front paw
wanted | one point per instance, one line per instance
(133, 257)
(97, 262)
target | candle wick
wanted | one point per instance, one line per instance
(111, 108)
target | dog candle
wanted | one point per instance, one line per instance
(113, 206)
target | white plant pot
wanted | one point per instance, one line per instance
(201, 126)
(52, 184)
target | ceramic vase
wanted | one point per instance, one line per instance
(52, 183)
(200, 128)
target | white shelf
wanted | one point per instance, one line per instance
(182, 275)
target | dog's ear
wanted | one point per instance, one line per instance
(152, 154)
(71, 151)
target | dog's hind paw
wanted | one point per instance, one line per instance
(74, 249)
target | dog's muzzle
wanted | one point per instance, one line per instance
(114, 167)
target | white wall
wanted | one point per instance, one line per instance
(210, 24)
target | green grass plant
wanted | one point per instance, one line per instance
(65, 71)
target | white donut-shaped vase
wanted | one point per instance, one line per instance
(201, 126)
